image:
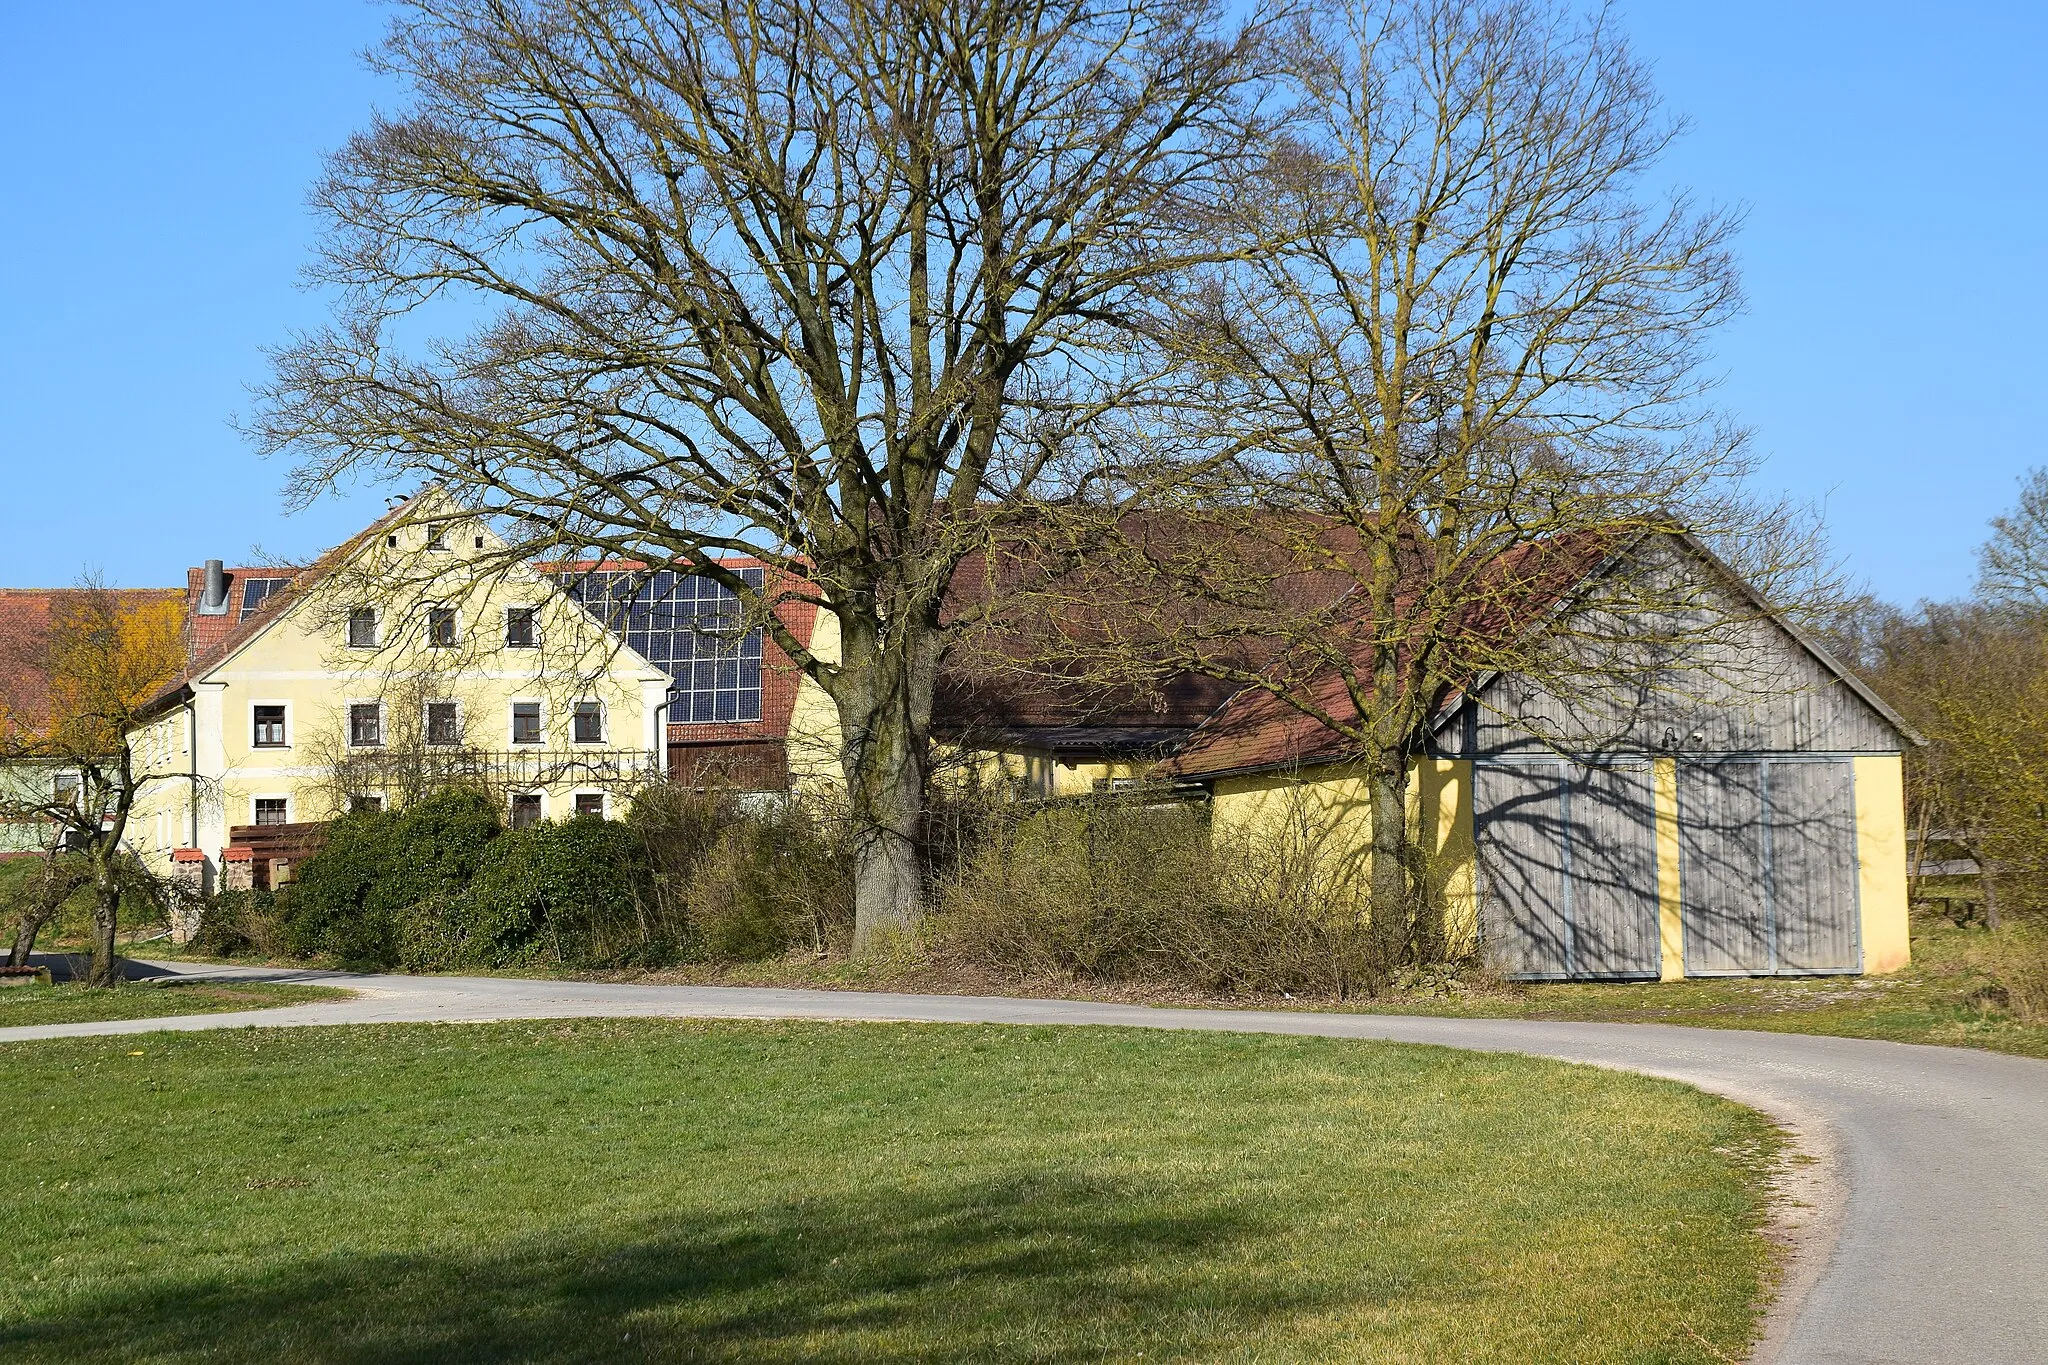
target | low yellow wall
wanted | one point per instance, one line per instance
(1670, 903)
(1881, 861)
(1334, 806)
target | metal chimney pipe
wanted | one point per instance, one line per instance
(213, 598)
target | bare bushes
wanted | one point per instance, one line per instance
(2016, 956)
(1137, 894)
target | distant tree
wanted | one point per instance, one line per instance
(853, 287)
(2012, 565)
(103, 658)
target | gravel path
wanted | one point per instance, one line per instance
(1925, 1233)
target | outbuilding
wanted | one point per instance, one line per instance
(1744, 817)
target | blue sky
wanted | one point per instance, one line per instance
(155, 160)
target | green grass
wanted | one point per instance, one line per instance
(1951, 995)
(767, 1192)
(72, 1004)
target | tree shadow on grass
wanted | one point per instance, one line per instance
(1045, 1268)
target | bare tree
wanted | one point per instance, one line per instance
(841, 285)
(1470, 373)
(2012, 565)
(103, 659)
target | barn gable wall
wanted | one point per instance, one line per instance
(1730, 680)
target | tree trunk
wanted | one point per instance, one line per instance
(885, 708)
(106, 914)
(25, 936)
(1392, 898)
(56, 885)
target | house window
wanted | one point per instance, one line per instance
(370, 802)
(590, 803)
(268, 727)
(362, 628)
(437, 537)
(520, 631)
(64, 788)
(270, 810)
(589, 723)
(257, 591)
(526, 722)
(365, 725)
(444, 724)
(441, 627)
(525, 809)
(690, 627)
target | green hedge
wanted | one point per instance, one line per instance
(442, 884)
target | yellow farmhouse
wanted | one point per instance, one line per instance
(408, 657)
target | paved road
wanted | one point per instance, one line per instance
(1929, 1242)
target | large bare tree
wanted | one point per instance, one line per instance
(847, 285)
(1470, 370)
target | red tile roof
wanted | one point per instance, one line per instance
(25, 618)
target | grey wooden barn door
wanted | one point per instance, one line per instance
(1568, 863)
(1767, 866)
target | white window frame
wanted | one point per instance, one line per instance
(383, 802)
(285, 797)
(349, 723)
(512, 739)
(427, 725)
(604, 801)
(512, 804)
(290, 730)
(604, 722)
(437, 536)
(505, 635)
(376, 628)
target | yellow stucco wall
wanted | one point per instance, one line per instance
(813, 743)
(1670, 904)
(1334, 801)
(1881, 861)
(1332, 806)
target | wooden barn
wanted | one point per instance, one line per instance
(1742, 817)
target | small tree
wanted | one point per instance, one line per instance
(103, 657)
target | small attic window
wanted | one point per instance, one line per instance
(437, 538)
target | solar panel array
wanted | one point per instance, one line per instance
(257, 591)
(689, 626)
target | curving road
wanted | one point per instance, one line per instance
(1924, 1239)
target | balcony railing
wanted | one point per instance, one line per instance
(415, 769)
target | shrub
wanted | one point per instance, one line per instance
(238, 922)
(570, 893)
(1115, 893)
(377, 868)
(776, 878)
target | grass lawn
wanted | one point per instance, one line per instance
(71, 1004)
(1950, 995)
(768, 1192)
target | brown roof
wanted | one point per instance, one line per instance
(26, 615)
(1258, 730)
